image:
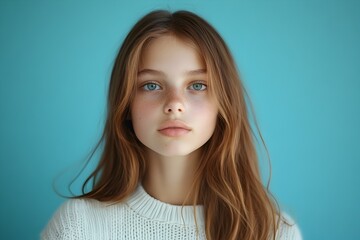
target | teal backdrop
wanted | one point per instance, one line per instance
(299, 61)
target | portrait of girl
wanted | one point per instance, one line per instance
(179, 159)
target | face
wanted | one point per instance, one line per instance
(172, 113)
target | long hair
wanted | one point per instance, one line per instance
(227, 182)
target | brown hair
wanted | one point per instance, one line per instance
(228, 182)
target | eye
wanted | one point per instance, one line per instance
(198, 86)
(151, 87)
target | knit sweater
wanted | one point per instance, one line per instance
(139, 217)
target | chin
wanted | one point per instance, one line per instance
(174, 154)
(178, 152)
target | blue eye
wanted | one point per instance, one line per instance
(198, 86)
(151, 87)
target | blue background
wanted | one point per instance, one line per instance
(298, 59)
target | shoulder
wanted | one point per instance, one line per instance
(288, 228)
(75, 208)
(68, 219)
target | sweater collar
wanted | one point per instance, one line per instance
(147, 206)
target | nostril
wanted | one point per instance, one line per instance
(175, 109)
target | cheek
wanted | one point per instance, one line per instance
(205, 109)
(141, 112)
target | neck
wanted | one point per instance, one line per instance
(170, 179)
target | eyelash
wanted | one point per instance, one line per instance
(203, 88)
(149, 83)
(191, 87)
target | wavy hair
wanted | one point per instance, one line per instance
(227, 182)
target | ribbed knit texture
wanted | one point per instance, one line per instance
(139, 217)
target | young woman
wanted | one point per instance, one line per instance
(179, 160)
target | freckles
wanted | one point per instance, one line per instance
(145, 108)
(202, 104)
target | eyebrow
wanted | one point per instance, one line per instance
(156, 72)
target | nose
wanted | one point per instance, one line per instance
(174, 103)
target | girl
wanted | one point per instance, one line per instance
(179, 159)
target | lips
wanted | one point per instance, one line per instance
(174, 129)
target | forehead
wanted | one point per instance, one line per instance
(169, 52)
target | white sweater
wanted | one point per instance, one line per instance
(139, 217)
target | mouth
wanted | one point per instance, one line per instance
(174, 129)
